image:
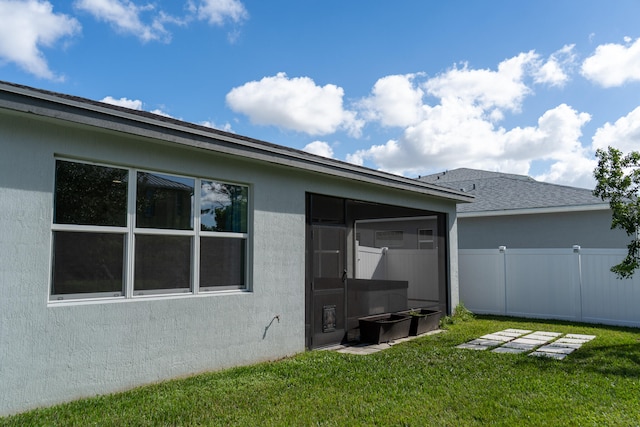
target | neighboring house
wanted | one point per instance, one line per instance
(517, 211)
(533, 249)
(136, 248)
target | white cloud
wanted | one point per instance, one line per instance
(557, 139)
(624, 134)
(456, 135)
(453, 134)
(148, 23)
(161, 113)
(462, 128)
(614, 64)
(225, 127)
(553, 72)
(134, 104)
(216, 12)
(394, 101)
(297, 104)
(26, 26)
(503, 89)
(319, 148)
(125, 17)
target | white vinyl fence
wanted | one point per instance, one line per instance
(417, 266)
(569, 284)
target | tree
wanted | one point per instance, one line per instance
(618, 177)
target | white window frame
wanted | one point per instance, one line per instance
(130, 231)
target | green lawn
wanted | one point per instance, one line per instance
(424, 382)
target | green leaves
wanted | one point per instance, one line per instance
(618, 181)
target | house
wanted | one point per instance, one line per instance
(516, 211)
(136, 248)
(533, 249)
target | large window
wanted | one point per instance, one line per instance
(125, 232)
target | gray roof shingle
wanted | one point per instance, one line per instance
(495, 191)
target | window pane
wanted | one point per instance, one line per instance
(162, 262)
(222, 262)
(87, 263)
(90, 195)
(223, 207)
(164, 201)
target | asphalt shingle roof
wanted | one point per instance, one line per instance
(495, 191)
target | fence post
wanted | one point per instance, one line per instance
(503, 251)
(576, 250)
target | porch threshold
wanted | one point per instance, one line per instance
(366, 348)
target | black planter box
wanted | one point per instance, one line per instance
(422, 320)
(384, 327)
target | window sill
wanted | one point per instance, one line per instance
(150, 297)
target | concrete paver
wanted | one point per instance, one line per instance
(585, 338)
(558, 356)
(547, 334)
(497, 337)
(511, 341)
(556, 349)
(512, 350)
(511, 333)
(527, 340)
(517, 331)
(539, 343)
(520, 346)
(568, 343)
(469, 346)
(485, 343)
(365, 348)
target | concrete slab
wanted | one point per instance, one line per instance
(527, 340)
(558, 356)
(556, 349)
(486, 342)
(508, 334)
(505, 349)
(580, 337)
(564, 342)
(518, 331)
(541, 339)
(520, 346)
(548, 334)
(469, 346)
(363, 349)
(539, 343)
(497, 337)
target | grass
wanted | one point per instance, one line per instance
(422, 382)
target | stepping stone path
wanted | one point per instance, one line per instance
(538, 343)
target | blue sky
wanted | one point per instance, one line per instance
(411, 87)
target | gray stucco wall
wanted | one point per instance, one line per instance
(55, 352)
(589, 229)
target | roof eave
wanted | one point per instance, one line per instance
(534, 211)
(105, 116)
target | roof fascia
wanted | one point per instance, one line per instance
(534, 211)
(104, 116)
